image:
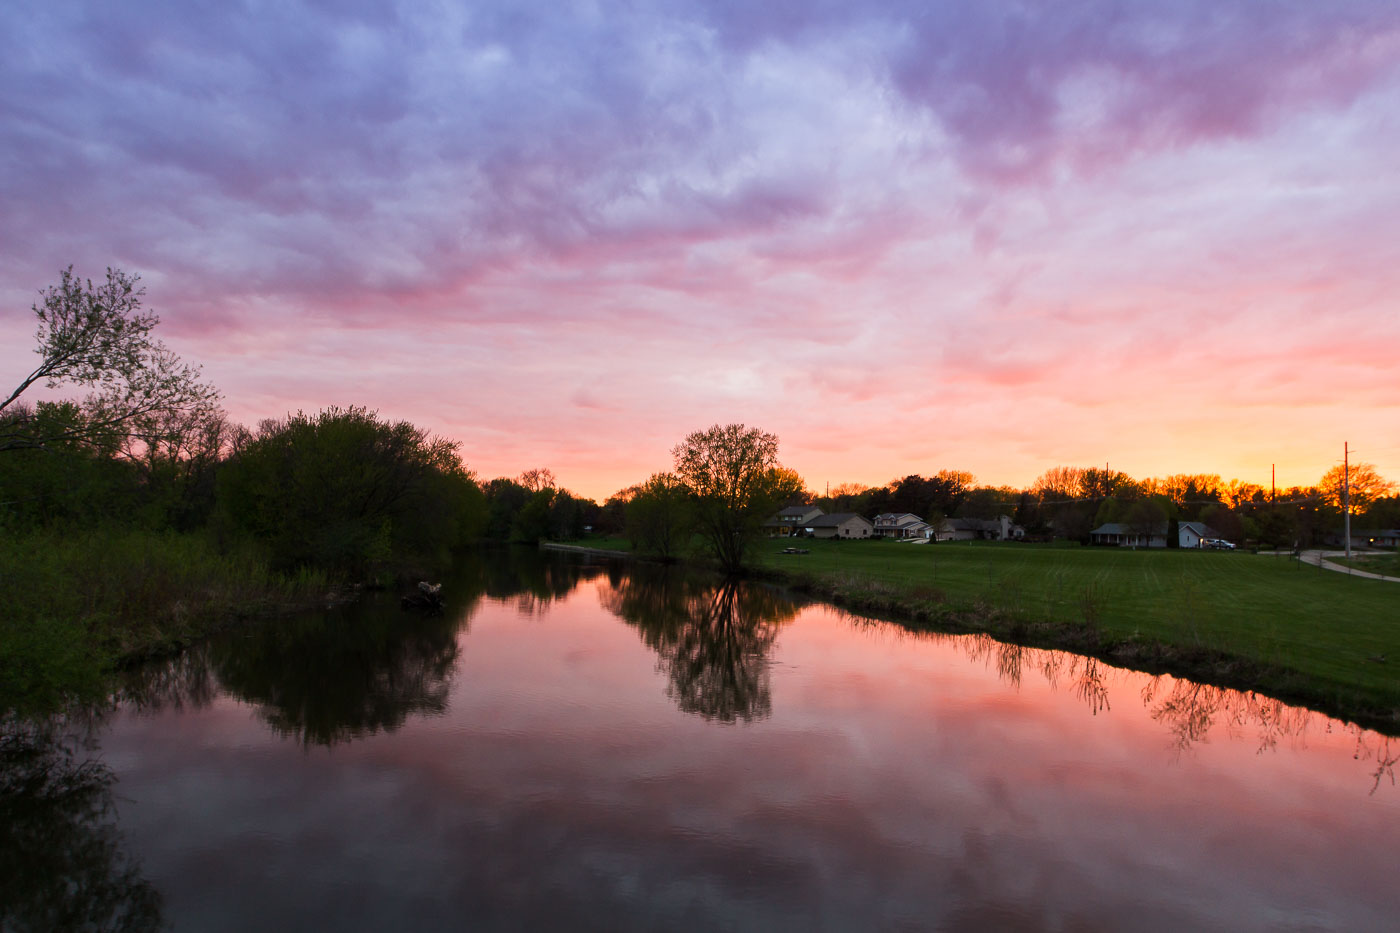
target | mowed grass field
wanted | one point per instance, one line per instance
(1342, 634)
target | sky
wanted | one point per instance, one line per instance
(902, 236)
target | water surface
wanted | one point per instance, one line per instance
(607, 747)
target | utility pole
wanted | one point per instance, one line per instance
(1273, 485)
(1346, 495)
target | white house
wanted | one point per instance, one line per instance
(1122, 534)
(902, 525)
(1366, 538)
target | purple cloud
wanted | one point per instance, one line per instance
(902, 217)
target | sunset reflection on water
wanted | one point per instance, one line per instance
(640, 750)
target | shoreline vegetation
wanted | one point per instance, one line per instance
(80, 608)
(1241, 621)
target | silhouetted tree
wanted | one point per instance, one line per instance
(736, 483)
(660, 516)
(98, 336)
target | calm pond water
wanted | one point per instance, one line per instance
(592, 746)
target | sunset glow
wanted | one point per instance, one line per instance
(994, 237)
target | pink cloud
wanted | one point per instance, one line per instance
(991, 237)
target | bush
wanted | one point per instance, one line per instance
(347, 492)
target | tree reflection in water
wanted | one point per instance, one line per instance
(62, 861)
(530, 580)
(332, 677)
(329, 677)
(1188, 710)
(713, 641)
(185, 681)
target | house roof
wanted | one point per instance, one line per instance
(835, 519)
(1119, 528)
(899, 519)
(797, 511)
(1200, 529)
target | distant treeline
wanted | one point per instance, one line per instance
(1069, 502)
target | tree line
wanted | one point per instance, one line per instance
(662, 514)
(343, 490)
(347, 491)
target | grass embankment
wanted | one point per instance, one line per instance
(1302, 634)
(76, 606)
(1386, 564)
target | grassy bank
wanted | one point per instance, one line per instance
(1387, 564)
(75, 606)
(1306, 635)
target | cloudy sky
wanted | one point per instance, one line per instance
(903, 236)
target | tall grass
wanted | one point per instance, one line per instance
(75, 604)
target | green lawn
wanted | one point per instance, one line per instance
(1384, 563)
(1278, 618)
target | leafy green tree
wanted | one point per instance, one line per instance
(348, 492)
(1100, 484)
(990, 502)
(735, 483)
(532, 523)
(612, 516)
(64, 477)
(1146, 516)
(504, 498)
(1192, 492)
(177, 455)
(1384, 513)
(568, 514)
(1109, 510)
(1224, 520)
(1275, 528)
(98, 336)
(659, 516)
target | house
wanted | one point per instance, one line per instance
(902, 525)
(791, 519)
(1122, 534)
(1374, 537)
(840, 525)
(979, 529)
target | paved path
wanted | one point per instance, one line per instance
(1319, 559)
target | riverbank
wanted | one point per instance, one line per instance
(592, 551)
(78, 607)
(1249, 622)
